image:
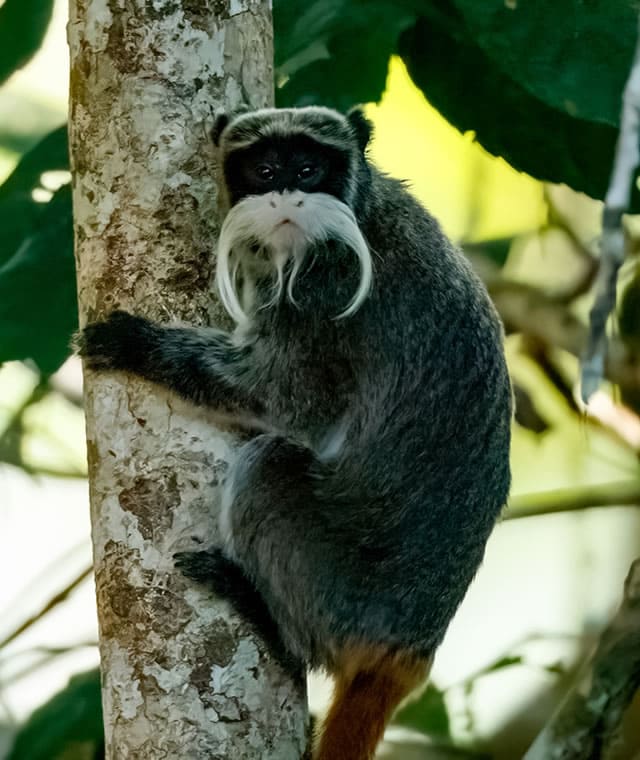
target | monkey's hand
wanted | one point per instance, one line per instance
(200, 364)
(121, 342)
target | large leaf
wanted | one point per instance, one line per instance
(23, 24)
(68, 726)
(19, 212)
(38, 309)
(300, 25)
(336, 52)
(572, 55)
(539, 84)
(474, 94)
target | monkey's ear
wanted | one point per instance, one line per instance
(221, 121)
(362, 127)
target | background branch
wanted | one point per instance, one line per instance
(617, 202)
(55, 600)
(587, 723)
(573, 499)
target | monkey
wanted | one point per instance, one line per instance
(367, 365)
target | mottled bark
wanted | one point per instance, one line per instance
(588, 723)
(182, 676)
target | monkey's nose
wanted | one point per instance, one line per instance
(300, 204)
(272, 201)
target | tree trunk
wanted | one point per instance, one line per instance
(182, 676)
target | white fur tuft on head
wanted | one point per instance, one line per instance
(267, 232)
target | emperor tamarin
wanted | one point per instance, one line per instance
(369, 357)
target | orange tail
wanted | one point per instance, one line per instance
(370, 683)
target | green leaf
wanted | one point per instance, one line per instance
(23, 24)
(544, 96)
(19, 212)
(38, 307)
(336, 52)
(572, 55)
(556, 669)
(474, 94)
(299, 24)
(69, 725)
(428, 714)
(508, 661)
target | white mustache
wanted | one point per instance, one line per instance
(285, 226)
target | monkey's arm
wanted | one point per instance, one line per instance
(200, 364)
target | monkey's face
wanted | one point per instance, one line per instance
(289, 180)
(286, 173)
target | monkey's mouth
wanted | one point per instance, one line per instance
(286, 230)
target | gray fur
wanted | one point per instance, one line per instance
(364, 516)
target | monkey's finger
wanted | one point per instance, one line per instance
(201, 566)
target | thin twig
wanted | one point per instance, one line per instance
(617, 202)
(46, 656)
(509, 659)
(625, 493)
(11, 435)
(60, 597)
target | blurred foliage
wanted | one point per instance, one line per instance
(537, 84)
(67, 727)
(20, 213)
(336, 52)
(553, 114)
(23, 24)
(40, 327)
(629, 330)
(474, 94)
(36, 257)
(428, 714)
(577, 65)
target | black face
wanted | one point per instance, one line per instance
(277, 164)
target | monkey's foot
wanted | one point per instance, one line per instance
(210, 567)
(228, 581)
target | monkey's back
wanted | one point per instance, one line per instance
(427, 452)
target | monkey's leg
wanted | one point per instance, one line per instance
(199, 364)
(268, 474)
(275, 527)
(284, 529)
(227, 580)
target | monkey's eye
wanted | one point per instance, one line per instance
(307, 171)
(265, 172)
